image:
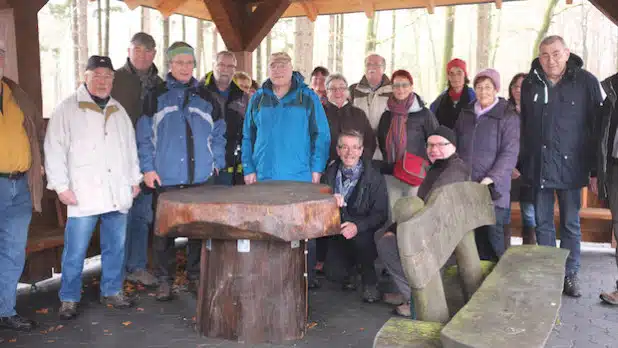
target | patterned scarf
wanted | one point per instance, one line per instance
(347, 178)
(396, 138)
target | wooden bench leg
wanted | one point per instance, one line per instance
(469, 265)
(430, 302)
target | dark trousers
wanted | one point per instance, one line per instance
(490, 239)
(613, 199)
(165, 252)
(359, 251)
(322, 248)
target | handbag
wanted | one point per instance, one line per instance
(411, 169)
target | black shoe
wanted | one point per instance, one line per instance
(571, 286)
(371, 293)
(68, 310)
(17, 322)
(314, 284)
(349, 283)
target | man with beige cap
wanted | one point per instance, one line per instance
(21, 188)
(285, 134)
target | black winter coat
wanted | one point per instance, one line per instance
(606, 133)
(558, 124)
(368, 203)
(349, 117)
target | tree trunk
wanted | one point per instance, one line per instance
(549, 14)
(215, 41)
(449, 42)
(483, 35)
(332, 29)
(269, 46)
(258, 63)
(166, 44)
(496, 45)
(584, 27)
(183, 20)
(145, 19)
(75, 36)
(432, 45)
(303, 45)
(200, 46)
(393, 40)
(370, 41)
(99, 27)
(107, 20)
(82, 13)
(339, 54)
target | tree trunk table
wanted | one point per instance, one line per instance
(253, 280)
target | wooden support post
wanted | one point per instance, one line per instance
(244, 62)
(469, 265)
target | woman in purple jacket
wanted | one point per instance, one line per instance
(488, 141)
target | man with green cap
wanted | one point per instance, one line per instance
(131, 83)
(181, 144)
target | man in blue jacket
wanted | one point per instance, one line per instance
(181, 143)
(560, 104)
(285, 134)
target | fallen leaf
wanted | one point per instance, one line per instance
(105, 330)
(59, 327)
(107, 334)
(13, 340)
(140, 309)
(95, 323)
(42, 311)
(126, 323)
(151, 294)
(361, 329)
(312, 325)
(51, 329)
(43, 332)
(50, 341)
(110, 306)
(193, 318)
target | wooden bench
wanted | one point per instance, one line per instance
(525, 277)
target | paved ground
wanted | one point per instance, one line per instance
(342, 319)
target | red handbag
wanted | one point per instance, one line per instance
(411, 169)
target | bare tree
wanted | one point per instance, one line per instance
(183, 20)
(99, 27)
(496, 44)
(339, 46)
(215, 41)
(483, 36)
(370, 41)
(75, 36)
(393, 39)
(82, 19)
(166, 44)
(258, 63)
(199, 50)
(332, 43)
(549, 14)
(584, 26)
(145, 19)
(432, 45)
(449, 41)
(303, 45)
(107, 19)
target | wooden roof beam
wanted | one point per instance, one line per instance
(131, 4)
(569, 2)
(369, 8)
(262, 20)
(310, 10)
(431, 6)
(168, 7)
(499, 4)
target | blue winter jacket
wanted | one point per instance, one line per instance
(181, 135)
(287, 138)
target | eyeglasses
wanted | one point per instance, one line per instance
(338, 89)
(437, 145)
(278, 66)
(402, 85)
(346, 148)
(226, 66)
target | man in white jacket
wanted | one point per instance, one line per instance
(91, 162)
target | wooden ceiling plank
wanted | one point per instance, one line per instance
(499, 4)
(431, 6)
(569, 2)
(132, 4)
(261, 21)
(368, 7)
(229, 17)
(169, 7)
(310, 10)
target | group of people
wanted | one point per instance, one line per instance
(127, 135)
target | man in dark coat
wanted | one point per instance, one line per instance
(363, 200)
(447, 168)
(607, 168)
(560, 102)
(233, 103)
(131, 83)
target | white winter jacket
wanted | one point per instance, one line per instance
(93, 153)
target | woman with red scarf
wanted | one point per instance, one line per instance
(403, 128)
(448, 105)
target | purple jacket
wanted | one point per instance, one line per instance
(490, 145)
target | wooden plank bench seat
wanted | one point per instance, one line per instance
(517, 304)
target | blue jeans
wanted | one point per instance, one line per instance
(490, 239)
(15, 214)
(569, 203)
(138, 230)
(527, 214)
(77, 235)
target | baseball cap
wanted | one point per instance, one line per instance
(99, 62)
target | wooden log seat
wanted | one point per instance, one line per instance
(253, 284)
(517, 305)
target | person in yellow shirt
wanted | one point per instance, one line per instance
(21, 188)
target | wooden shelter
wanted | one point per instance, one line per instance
(242, 25)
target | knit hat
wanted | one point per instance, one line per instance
(445, 133)
(457, 63)
(492, 74)
(179, 47)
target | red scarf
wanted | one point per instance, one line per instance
(454, 95)
(396, 138)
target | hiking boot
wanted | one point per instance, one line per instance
(68, 310)
(119, 301)
(393, 298)
(164, 292)
(17, 322)
(142, 276)
(571, 286)
(610, 298)
(371, 293)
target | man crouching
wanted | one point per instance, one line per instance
(91, 162)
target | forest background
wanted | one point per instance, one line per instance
(412, 39)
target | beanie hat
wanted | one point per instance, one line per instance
(179, 47)
(445, 133)
(492, 74)
(402, 73)
(457, 63)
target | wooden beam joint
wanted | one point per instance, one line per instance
(168, 7)
(310, 10)
(369, 8)
(431, 6)
(499, 4)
